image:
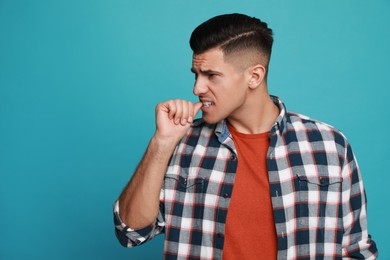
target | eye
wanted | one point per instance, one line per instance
(212, 75)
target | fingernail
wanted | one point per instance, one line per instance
(177, 121)
(190, 119)
(183, 121)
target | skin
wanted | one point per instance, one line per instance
(238, 94)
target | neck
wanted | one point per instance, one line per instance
(257, 115)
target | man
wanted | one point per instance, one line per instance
(249, 180)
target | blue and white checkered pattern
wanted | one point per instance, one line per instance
(317, 193)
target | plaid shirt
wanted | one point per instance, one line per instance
(317, 193)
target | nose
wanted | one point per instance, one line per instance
(200, 87)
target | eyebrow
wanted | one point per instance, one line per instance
(206, 71)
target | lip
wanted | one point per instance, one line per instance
(206, 100)
(207, 104)
(207, 108)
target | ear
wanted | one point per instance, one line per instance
(256, 75)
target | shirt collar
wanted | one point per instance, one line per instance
(281, 120)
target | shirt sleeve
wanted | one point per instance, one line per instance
(357, 243)
(129, 237)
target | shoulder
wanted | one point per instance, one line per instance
(315, 130)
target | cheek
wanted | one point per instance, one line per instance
(228, 91)
(236, 93)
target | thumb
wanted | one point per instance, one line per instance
(197, 107)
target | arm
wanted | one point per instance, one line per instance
(139, 202)
(357, 242)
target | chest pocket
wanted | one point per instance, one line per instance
(186, 200)
(317, 198)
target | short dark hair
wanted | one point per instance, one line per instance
(233, 33)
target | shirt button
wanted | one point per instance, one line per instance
(226, 195)
(233, 157)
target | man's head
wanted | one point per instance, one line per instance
(230, 61)
(244, 40)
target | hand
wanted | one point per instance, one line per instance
(174, 118)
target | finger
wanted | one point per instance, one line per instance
(171, 109)
(162, 107)
(179, 111)
(190, 112)
(185, 115)
(197, 107)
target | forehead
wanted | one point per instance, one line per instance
(209, 59)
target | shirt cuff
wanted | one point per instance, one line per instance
(127, 236)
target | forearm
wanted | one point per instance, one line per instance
(139, 201)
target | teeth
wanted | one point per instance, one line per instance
(207, 104)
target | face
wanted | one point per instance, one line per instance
(221, 87)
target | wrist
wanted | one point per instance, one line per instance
(163, 144)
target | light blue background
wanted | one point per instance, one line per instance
(79, 81)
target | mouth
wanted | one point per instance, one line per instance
(207, 103)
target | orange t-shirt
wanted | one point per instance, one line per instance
(250, 228)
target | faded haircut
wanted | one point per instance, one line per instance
(234, 34)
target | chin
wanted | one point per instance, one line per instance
(211, 120)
